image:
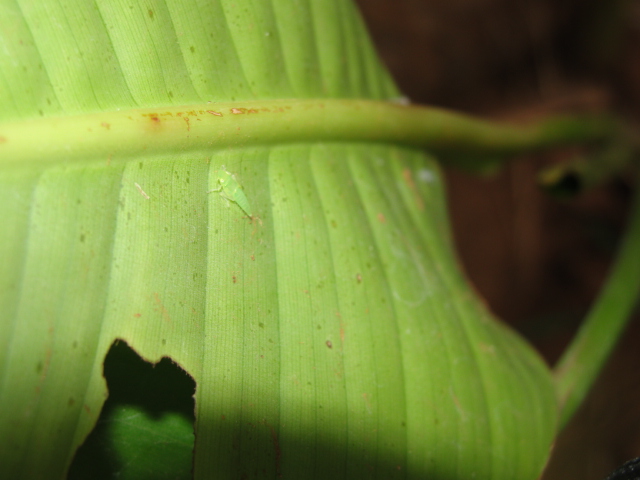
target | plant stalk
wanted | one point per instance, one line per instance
(582, 361)
(121, 134)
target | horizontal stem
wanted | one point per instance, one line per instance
(125, 133)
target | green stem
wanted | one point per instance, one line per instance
(587, 354)
(122, 134)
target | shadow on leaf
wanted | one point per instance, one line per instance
(145, 430)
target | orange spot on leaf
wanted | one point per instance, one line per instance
(161, 308)
(408, 178)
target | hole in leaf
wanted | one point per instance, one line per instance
(145, 429)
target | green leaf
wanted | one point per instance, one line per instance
(330, 335)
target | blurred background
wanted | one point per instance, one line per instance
(538, 261)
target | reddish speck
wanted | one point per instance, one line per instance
(408, 178)
(137, 315)
(381, 218)
(161, 308)
(329, 344)
(406, 173)
(235, 280)
(3, 139)
(86, 408)
(186, 119)
(358, 278)
(106, 125)
(276, 447)
(217, 114)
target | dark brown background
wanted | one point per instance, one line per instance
(538, 261)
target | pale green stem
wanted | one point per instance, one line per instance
(126, 133)
(587, 354)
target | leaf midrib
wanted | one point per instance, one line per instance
(124, 134)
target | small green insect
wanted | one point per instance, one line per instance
(231, 190)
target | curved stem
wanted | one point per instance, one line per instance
(582, 361)
(122, 134)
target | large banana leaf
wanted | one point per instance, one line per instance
(329, 331)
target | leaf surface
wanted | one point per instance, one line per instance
(330, 335)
